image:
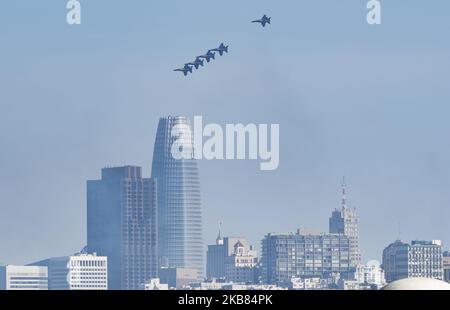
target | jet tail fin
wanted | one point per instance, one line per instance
(268, 20)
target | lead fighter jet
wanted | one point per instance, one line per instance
(263, 21)
(186, 69)
(221, 49)
(197, 63)
(208, 56)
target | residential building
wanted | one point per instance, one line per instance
(349, 285)
(371, 275)
(285, 256)
(232, 259)
(23, 278)
(240, 265)
(420, 259)
(315, 283)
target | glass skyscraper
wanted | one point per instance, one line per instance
(179, 203)
(122, 225)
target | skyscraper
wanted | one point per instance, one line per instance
(345, 221)
(179, 202)
(122, 225)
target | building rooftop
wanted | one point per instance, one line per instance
(417, 284)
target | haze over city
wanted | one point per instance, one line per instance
(367, 103)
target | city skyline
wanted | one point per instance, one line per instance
(370, 103)
(344, 206)
(123, 223)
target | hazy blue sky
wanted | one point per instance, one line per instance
(370, 103)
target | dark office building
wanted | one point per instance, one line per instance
(122, 225)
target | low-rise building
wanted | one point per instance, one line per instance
(370, 275)
(315, 283)
(252, 287)
(177, 278)
(240, 266)
(232, 259)
(80, 271)
(213, 285)
(155, 285)
(349, 285)
(23, 278)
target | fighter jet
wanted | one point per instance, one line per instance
(263, 21)
(208, 56)
(221, 49)
(197, 63)
(186, 69)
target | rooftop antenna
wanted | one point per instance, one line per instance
(219, 239)
(344, 194)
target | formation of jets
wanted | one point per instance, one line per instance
(200, 60)
(211, 54)
(263, 21)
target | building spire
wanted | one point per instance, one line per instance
(219, 239)
(344, 194)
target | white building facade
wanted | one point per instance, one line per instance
(156, 285)
(240, 266)
(371, 274)
(23, 278)
(87, 272)
(77, 272)
(420, 259)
